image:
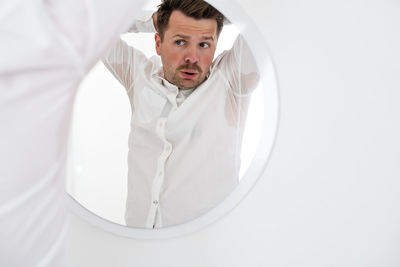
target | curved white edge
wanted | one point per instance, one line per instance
(256, 41)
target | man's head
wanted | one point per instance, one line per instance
(197, 9)
(186, 39)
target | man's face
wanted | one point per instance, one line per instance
(187, 49)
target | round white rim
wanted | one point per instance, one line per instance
(257, 167)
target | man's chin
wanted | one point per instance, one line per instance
(189, 84)
(184, 85)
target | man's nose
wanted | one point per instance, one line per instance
(191, 54)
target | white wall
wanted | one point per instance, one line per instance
(330, 195)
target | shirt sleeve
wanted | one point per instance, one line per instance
(46, 48)
(239, 67)
(122, 60)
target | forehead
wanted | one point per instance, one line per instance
(179, 23)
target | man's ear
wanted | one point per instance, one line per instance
(157, 38)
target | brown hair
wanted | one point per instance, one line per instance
(197, 9)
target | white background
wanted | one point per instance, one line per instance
(330, 195)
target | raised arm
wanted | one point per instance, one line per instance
(122, 59)
(46, 48)
(239, 67)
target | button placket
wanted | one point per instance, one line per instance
(160, 172)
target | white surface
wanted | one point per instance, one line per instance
(331, 193)
(45, 50)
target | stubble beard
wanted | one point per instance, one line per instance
(185, 84)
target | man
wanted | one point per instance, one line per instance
(188, 113)
(46, 49)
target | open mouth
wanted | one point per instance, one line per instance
(189, 74)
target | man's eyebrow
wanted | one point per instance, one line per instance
(205, 38)
(181, 36)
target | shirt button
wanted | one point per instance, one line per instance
(161, 124)
(160, 173)
(155, 202)
(168, 148)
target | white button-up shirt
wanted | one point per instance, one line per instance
(184, 145)
(46, 48)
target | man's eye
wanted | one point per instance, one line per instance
(180, 42)
(204, 45)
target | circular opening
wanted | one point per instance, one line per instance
(258, 139)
